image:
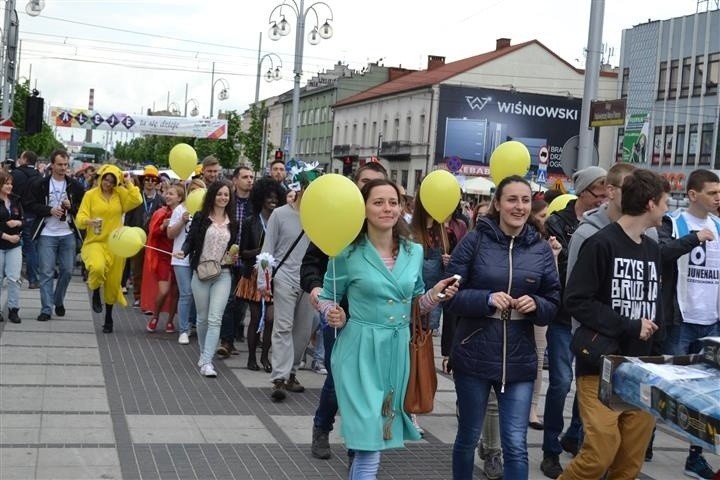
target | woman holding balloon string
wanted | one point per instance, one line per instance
(159, 292)
(381, 274)
(177, 229)
(101, 212)
(208, 244)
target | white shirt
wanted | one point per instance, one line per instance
(703, 271)
(57, 192)
(176, 218)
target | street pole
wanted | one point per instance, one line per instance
(185, 112)
(212, 89)
(592, 75)
(297, 70)
(10, 43)
(263, 145)
(257, 80)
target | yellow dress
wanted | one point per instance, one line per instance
(105, 268)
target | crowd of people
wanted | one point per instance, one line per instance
(531, 284)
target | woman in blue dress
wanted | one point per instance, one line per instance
(381, 274)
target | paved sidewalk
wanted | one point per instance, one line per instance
(78, 404)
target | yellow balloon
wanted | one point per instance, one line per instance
(140, 233)
(183, 160)
(440, 194)
(560, 202)
(194, 200)
(332, 212)
(509, 158)
(125, 242)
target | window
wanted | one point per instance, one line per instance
(699, 74)
(685, 82)
(404, 179)
(680, 145)
(408, 128)
(421, 130)
(345, 135)
(418, 178)
(625, 83)
(713, 74)
(310, 116)
(328, 147)
(706, 144)
(668, 142)
(373, 134)
(674, 71)
(662, 81)
(693, 142)
(396, 129)
(363, 139)
(354, 134)
(384, 128)
(657, 146)
(619, 145)
(337, 134)
(286, 121)
(312, 146)
(393, 176)
(303, 117)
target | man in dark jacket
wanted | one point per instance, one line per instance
(312, 273)
(613, 292)
(23, 176)
(55, 200)
(590, 190)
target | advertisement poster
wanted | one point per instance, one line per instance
(635, 140)
(472, 122)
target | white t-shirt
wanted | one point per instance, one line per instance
(176, 218)
(703, 272)
(54, 227)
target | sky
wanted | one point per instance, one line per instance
(137, 54)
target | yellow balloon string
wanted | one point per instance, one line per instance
(332, 261)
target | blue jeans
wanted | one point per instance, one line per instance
(514, 406)
(52, 251)
(29, 249)
(328, 406)
(365, 466)
(10, 268)
(691, 332)
(672, 340)
(210, 300)
(186, 304)
(560, 359)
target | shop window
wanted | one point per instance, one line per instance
(680, 145)
(657, 146)
(706, 144)
(662, 81)
(668, 142)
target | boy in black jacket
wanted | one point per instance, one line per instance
(613, 291)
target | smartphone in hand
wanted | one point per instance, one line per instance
(457, 278)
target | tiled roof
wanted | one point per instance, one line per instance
(427, 78)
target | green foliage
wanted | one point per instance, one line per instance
(251, 140)
(100, 153)
(43, 142)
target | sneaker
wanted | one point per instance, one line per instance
(152, 324)
(43, 317)
(319, 368)
(570, 445)
(193, 331)
(124, 290)
(207, 370)
(292, 385)
(136, 304)
(551, 467)
(697, 467)
(169, 327)
(320, 447)
(279, 392)
(493, 466)
(183, 339)
(417, 426)
(60, 310)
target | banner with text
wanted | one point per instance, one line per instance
(635, 138)
(141, 124)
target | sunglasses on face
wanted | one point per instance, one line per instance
(152, 180)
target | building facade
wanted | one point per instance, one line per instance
(670, 75)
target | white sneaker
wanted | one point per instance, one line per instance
(417, 426)
(183, 339)
(207, 370)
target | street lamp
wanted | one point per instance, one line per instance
(274, 71)
(223, 94)
(280, 27)
(195, 109)
(174, 109)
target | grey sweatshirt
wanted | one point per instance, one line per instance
(282, 230)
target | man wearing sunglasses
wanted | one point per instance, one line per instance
(139, 217)
(590, 190)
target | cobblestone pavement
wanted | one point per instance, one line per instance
(79, 404)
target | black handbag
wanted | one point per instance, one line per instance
(591, 346)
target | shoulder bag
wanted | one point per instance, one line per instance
(422, 383)
(208, 270)
(591, 346)
(282, 261)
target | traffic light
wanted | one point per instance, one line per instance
(347, 166)
(278, 154)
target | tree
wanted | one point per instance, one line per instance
(43, 142)
(251, 140)
(99, 153)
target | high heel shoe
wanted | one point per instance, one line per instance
(252, 365)
(108, 327)
(266, 365)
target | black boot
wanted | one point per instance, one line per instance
(96, 302)
(13, 315)
(108, 325)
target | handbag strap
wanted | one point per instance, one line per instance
(416, 322)
(287, 254)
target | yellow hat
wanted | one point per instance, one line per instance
(150, 171)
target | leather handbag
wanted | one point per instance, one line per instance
(591, 346)
(208, 270)
(422, 383)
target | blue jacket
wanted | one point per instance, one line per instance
(490, 348)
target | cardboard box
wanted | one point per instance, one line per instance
(711, 350)
(683, 417)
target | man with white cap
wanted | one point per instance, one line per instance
(590, 190)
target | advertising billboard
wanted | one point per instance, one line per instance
(473, 121)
